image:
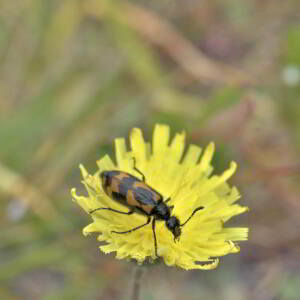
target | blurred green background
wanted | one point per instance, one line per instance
(76, 74)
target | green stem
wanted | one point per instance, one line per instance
(137, 280)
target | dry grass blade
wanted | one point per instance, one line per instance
(182, 51)
(15, 185)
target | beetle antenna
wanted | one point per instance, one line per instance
(198, 208)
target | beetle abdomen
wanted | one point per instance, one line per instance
(130, 191)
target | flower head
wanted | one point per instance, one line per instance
(188, 182)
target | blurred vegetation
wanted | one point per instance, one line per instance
(76, 74)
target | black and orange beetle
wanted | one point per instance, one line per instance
(139, 197)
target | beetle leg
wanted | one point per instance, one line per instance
(154, 236)
(133, 229)
(114, 210)
(167, 200)
(136, 169)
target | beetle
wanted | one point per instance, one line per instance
(139, 197)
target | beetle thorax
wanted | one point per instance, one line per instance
(162, 211)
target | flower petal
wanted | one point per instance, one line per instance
(192, 155)
(121, 154)
(204, 165)
(236, 234)
(161, 138)
(105, 163)
(139, 148)
(177, 147)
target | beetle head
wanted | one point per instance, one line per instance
(173, 225)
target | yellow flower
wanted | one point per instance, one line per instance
(189, 183)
